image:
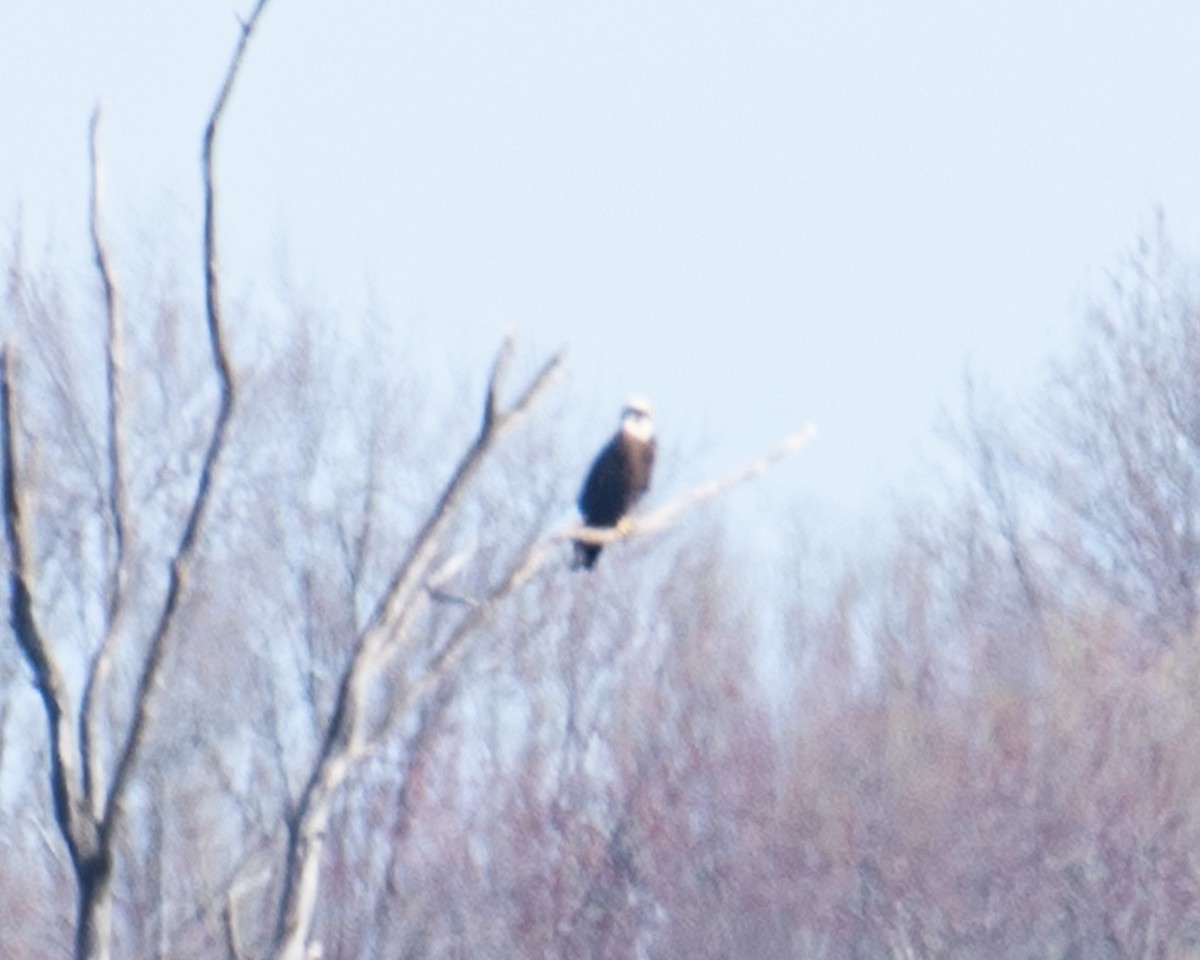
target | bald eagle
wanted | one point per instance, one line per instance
(619, 476)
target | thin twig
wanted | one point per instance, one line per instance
(212, 299)
(499, 369)
(412, 571)
(520, 570)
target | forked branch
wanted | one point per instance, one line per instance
(86, 808)
(185, 549)
(77, 829)
(345, 738)
(389, 633)
(495, 422)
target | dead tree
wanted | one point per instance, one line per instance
(390, 634)
(387, 635)
(90, 795)
(89, 801)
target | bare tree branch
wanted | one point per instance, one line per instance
(499, 369)
(520, 570)
(253, 873)
(345, 739)
(87, 810)
(184, 552)
(412, 570)
(668, 513)
(212, 299)
(118, 508)
(78, 829)
(530, 560)
(94, 873)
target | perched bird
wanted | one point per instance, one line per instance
(619, 476)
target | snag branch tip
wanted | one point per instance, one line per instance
(801, 437)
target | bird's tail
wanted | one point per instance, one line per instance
(585, 556)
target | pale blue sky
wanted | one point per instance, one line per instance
(757, 213)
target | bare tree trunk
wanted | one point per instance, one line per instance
(93, 925)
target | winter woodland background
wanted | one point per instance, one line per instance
(980, 739)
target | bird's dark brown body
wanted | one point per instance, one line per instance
(619, 476)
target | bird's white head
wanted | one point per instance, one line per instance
(636, 420)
